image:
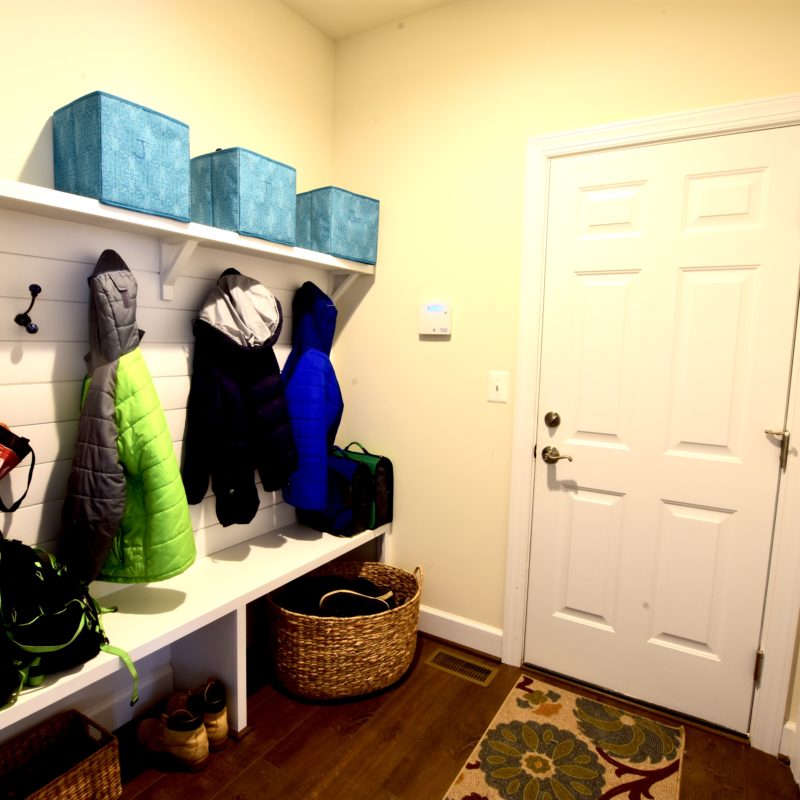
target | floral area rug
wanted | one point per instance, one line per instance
(549, 744)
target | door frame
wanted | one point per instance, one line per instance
(782, 605)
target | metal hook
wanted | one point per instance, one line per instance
(24, 319)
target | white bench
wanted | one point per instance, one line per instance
(198, 618)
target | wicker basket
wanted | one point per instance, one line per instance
(324, 658)
(66, 757)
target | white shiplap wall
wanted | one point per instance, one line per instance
(41, 375)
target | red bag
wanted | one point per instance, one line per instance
(14, 449)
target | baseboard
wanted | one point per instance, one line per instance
(788, 739)
(461, 631)
(788, 748)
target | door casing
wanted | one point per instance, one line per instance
(782, 605)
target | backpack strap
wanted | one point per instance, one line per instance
(19, 683)
(51, 648)
(363, 449)
(32, 674)
(123, 655)
(128, 662)
(15, 506)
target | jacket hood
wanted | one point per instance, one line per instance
(112, 310)
(243, 310)
(313, 324)
(313, 319)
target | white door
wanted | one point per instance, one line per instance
(671, 282)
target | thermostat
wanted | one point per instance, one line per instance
(435, 319)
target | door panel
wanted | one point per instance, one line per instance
(671, 282)
(714, 324)
(589, 573)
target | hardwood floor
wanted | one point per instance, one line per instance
(407, 743)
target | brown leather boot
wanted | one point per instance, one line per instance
(209, 702)
(215, 714)
(179, 735)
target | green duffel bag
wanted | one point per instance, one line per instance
(383, 476)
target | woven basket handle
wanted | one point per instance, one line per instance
(418, 575)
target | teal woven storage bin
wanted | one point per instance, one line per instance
(123, 154)
(338, 222)
(242, 191)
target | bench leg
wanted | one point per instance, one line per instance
(217, 650)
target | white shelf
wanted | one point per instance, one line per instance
(151, 617)
(178, 240)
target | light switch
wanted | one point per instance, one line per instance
(498, 387)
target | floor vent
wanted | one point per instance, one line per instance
(462, 666)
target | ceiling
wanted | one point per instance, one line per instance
(339, 19)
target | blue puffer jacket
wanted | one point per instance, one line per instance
(313, 396)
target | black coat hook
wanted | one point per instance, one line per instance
(23, 318)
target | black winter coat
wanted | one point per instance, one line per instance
(237, 421)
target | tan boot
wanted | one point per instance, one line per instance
(215, 714)
(208, 701)
(179, 735)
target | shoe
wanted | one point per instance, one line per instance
(215, 714)
(208, 702)
(179, 735)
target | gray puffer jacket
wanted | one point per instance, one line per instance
(125, 516)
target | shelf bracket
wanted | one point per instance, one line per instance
(343, 287)
(174, 256)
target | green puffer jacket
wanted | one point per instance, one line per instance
(125, 517)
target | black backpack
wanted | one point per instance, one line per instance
(48, 620)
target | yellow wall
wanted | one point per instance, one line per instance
(432, 117)
(245, 73)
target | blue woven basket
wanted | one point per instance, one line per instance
(338, 222)
(123, 154)
(242, 191)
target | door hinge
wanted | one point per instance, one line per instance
(784, 437)
(758, 667)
